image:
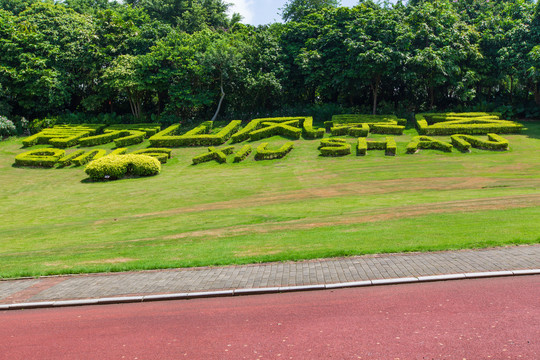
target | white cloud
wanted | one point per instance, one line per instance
(244, 8)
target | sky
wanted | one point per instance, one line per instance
(259, 12)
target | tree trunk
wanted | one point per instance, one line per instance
(375, 89)
(220, 100)
(431, 97)
(511, 89)
(536, 94)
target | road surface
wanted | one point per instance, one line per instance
(495, 318)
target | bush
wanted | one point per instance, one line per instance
(263, 153)
(243, 153)
(389, 146)
(352, 129)
(199, 136)
(7, 127)
(310, 132)
(366, 119)
(89, 156)
(426, 142)
(132, 137)
(287, 129)
(107, 137)
(219, 155)
(149, 129)
(257, 124)
(39, 158)
(334, 147)
(68, 159)
(62, 136)
(161, 154)
(469, 125)
(465, 142)
(114, 167)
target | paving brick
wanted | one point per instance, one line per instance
(278, 275)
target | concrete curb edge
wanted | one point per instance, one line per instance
(261, 291)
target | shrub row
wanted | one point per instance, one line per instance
(132, 138)
(62, 136)
(68, 159)
(288, 129)
(364, 118)
(243, 153)
(334, 147)
(39, 158)
(352, 129)
(159, 153)
(114, 167)
(465, 142)
(105, 138)
(89, 156)
(309, 132)
(148, 128)
(199, 136)
(426, 142)
(467, 126)
(389, 146)
(263, 153)
(257, 124)
(219, 155)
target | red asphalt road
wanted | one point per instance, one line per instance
(468, 319)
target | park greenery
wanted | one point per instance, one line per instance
(171, 61)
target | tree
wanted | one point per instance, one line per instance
(223, 56)
(374, 46)
(296, 10)
(124, 76)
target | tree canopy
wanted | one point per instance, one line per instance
(189, 60)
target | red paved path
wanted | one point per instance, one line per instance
(469, 319)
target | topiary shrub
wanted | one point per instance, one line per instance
(334, 147)
(39, 158)
(115, 167)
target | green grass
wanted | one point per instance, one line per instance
(304, 206)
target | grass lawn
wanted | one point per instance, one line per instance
(304, 206)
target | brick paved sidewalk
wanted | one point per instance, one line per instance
(313, 272)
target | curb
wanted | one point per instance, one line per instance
(262, 291)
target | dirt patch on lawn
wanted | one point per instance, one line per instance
(348, 189)
(107, 261)
(373, 215)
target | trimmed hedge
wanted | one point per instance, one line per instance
(105, 138)
(89, 156)
(387, 129)
(219, 155)
(334, 147)
(309, 132)
(257, 124)
(199, 136)
(389, 146)
(243, 153)
(286, 129)
(114, 167)
(263, 153)
(62, 136)
(39, 158)
(119, 151)
(352, 129)
(466, 126)
(148, 128)
(361, 125)
(67, 160)
(133, 137)
(161, 154)
(465, 142)
(426, 142)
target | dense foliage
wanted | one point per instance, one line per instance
(175, 60)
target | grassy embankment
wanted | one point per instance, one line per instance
(301, 207)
